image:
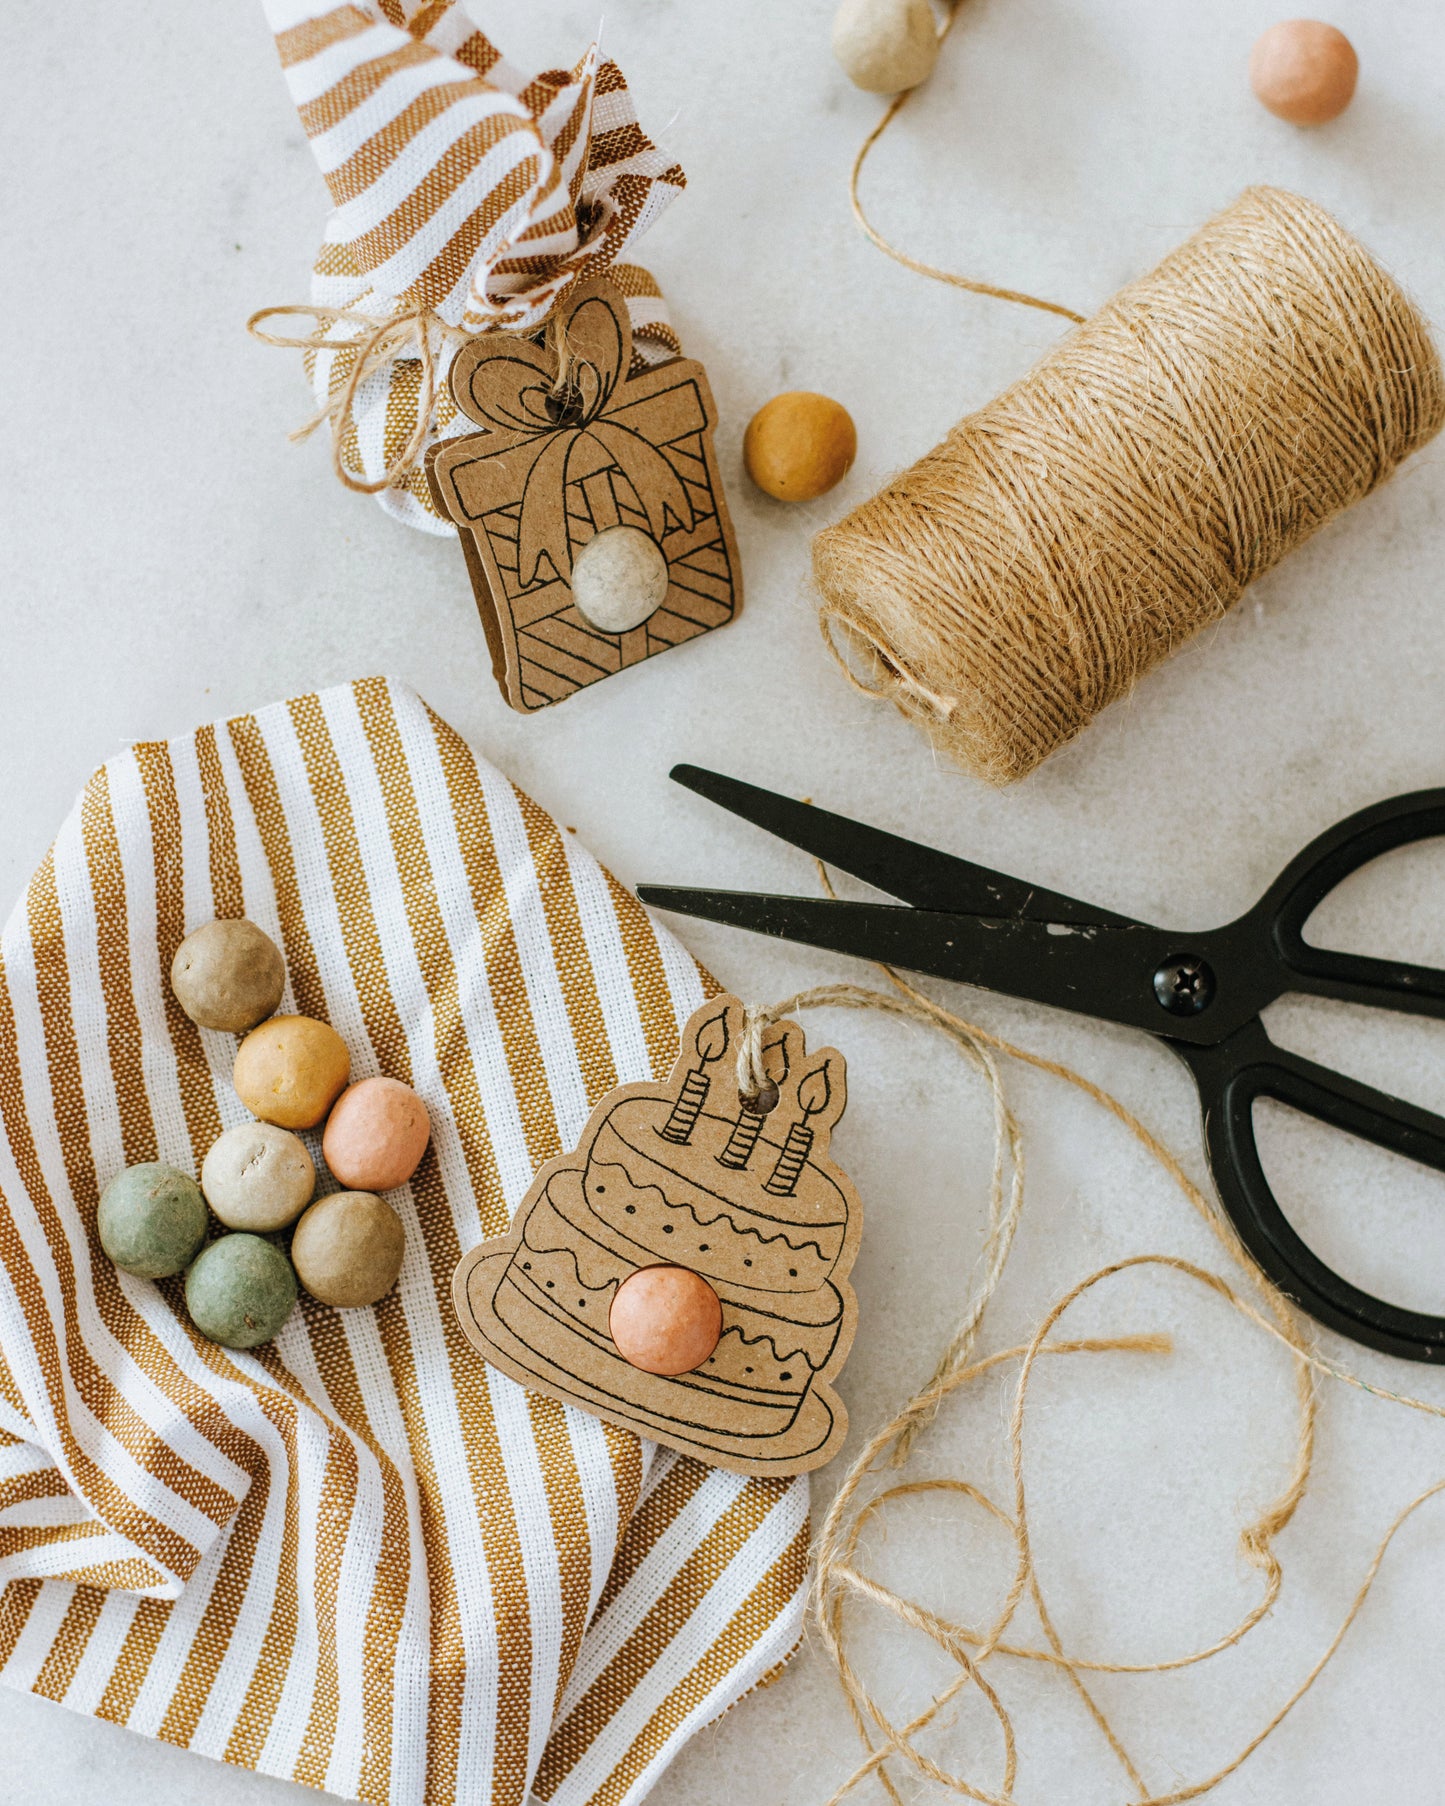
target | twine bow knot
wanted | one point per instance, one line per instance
(420, 334)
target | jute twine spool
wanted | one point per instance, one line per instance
(1091, 519)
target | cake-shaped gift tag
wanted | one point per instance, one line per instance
(590, 505)
(684, 1273)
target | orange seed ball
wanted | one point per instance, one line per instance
(376, 1135)
(799, 445)
(290, 1070)
(1304, 71)
(665, 1320)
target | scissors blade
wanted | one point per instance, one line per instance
(1098, 969)
(918, 875)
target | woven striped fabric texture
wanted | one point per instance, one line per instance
(357, 1557)
(462, 186)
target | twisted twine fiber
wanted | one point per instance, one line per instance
(387, 339)
(1091, 519)
(840, 1579)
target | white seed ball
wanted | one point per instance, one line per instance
(885, 46)
(258, 1177)
(619, 578)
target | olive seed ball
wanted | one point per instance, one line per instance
(258, 1177)
(228, 975)
(376, 1135)
(348, 1248)
(240, 1291)
(290, 1070)
(151, 1220)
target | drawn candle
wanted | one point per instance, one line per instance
(813, 1096)
(752, 1113)
(711, 1045)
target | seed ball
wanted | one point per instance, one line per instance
(619, 578)
(151, 1220)
(799, 445)
(665, 1320)
(290, 1070)
(228, 975)
(258, 1177)
(348, 1248)
(885, 46)
(376, 1135)
(240, 1291)
(1304, 71)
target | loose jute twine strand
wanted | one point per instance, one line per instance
(972, 284)
(839, 1577)
(1166, 452)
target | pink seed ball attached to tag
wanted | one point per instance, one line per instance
(376, 1135)
(1304, 71)
(665, 1320)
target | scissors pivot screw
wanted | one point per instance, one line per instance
(1184, 985)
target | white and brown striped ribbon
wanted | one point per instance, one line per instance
(462, 187)
(357, 1557)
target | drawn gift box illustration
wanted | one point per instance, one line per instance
(564, 456)
(687, 1175)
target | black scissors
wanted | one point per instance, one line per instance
(1201, 994)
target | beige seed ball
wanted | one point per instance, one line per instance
(885, 46)
(619, 578)
(799, 445)
(347, 1249)
(258, 1177)
(1304, 71)
(291, 1070)
(228, 975)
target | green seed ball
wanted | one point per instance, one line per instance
(151, 1220)
(240, 1291)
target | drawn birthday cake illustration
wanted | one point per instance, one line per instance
(684, 1271)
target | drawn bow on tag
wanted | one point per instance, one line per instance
(567, 446)
(526, 413)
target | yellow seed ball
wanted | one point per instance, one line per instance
(1304, 71)
(291, 1070)
(799, 445)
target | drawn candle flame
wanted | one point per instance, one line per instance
(813, 1095)
(711, 1044)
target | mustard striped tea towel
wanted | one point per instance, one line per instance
(463, 190)
(357, 1557)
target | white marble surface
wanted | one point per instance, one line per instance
(167, 557)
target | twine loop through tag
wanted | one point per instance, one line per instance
(421, 335)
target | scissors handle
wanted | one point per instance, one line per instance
(1232, 1077)
(1290, 901)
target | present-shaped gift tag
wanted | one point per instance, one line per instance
(589, 503)
(684, 1272)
